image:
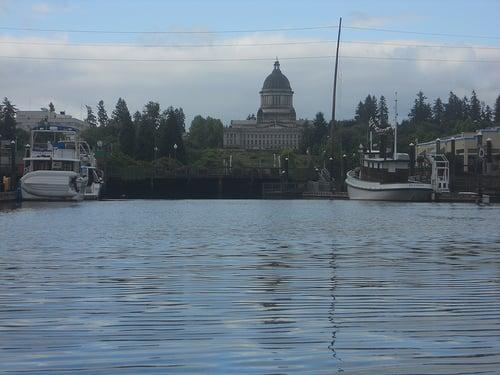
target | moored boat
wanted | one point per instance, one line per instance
(54, 165)
(385, 179)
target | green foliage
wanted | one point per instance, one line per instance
(171, 132)
(102, 115)
(421, 111)
(368, 110)
(383, 113)
(7, 119)
(314, 136)
(91, 119)
(145, 142)
(205, 133)
(438, 111)
(121, 123)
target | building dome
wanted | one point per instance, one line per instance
(276, 80)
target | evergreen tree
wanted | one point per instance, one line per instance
(137, 118)
(102, 115)
(474, 108)
(51, 107)
(421, 111)
(438, 111)
(91, 119)
(383, 113)
(171, 131)
(465, 108)
(497, 110)
(147, 132)
(8, 120)
(453, 110)
(367, 111)
(125, 127)
(486, 115)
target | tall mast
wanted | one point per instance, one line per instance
(395, 125)
(335, 83)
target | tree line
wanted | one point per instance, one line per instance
(426, 121)
(155, 133)
(145, 135)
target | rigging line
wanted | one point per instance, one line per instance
(50, 58)
(210, 45)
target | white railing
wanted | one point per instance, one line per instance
(440, 176)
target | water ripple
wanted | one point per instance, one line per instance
(264, 287)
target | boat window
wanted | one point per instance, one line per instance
(43, 165)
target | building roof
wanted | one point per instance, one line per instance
(276, 80)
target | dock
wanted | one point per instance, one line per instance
(7, 196)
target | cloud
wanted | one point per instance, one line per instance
(4, 7)
(230, 89)
(43, 8)
(361, 19)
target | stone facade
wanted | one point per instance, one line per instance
(276, 126)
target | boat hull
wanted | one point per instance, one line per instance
(52, 185)
(406, 192)
(93, 192)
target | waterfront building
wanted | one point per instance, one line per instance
(27, 120)
(468, 146)
(275, 127)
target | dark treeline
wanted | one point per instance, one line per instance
(151, 134)
(155, 134)
(426, 121)
(145, 135)
(8, 129)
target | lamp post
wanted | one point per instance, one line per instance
(175, 151)
(342, 168)
(13, 172)
(286, 167)
(153, 175)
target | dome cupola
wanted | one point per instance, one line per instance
(276, 80)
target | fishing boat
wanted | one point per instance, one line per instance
(381, 178)
(384, 177)
(58, 166)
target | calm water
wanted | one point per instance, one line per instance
(318, 287)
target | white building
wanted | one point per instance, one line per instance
(276, 126)
(26, 120)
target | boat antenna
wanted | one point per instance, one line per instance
(335, 83)
(395, 124)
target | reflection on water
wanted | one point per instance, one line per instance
(249, 287)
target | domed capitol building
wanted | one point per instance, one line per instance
(276, 126)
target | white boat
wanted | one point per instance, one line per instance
(386, 179)
(57, 165)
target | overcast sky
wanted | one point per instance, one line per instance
(433, 50)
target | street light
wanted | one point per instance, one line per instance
(175, 150)
(13, 176)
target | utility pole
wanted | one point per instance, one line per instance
(335, 84)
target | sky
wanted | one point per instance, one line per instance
(211, 57)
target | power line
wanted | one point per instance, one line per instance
(201, 32)
(207, 45)
(118, 59)
(174, 32)
(423, 33)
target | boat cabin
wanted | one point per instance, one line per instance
(384, 170)
(53, 148)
